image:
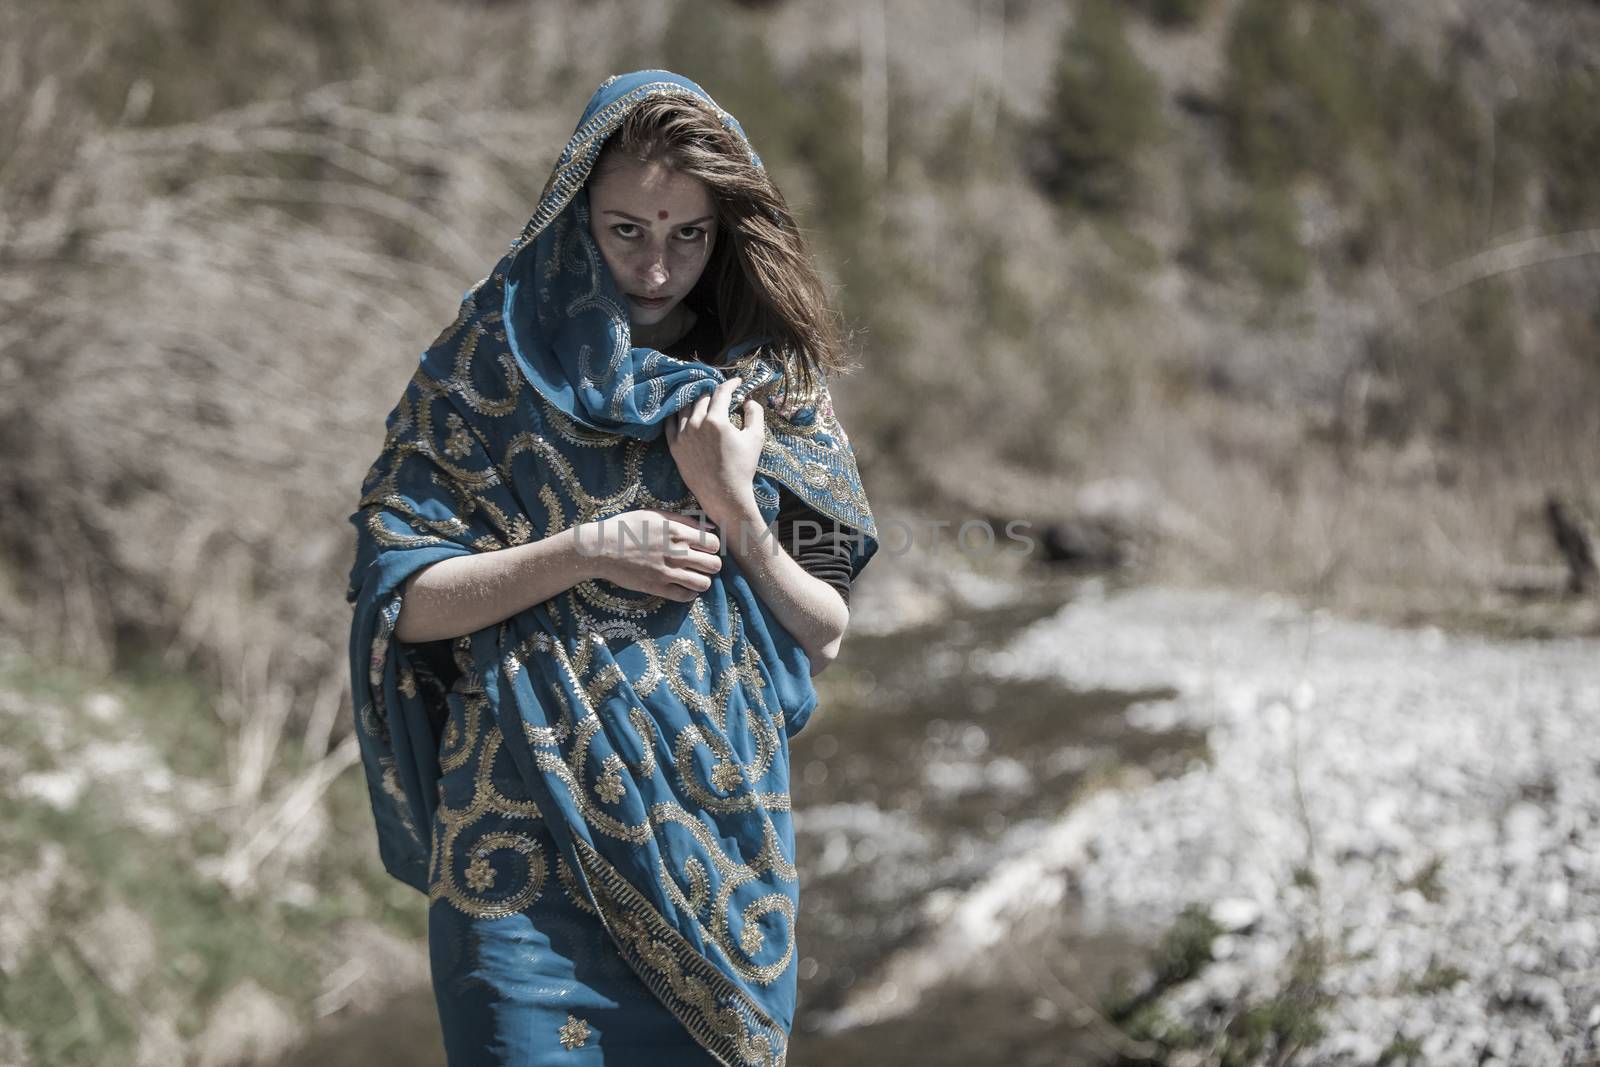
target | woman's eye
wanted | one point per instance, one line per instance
(625, 230)
(691, 233)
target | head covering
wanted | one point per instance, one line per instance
(651, 734)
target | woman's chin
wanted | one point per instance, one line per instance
(643, 315)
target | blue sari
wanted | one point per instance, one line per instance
(593, 793)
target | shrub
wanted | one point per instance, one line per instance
(1174, 14)
(1105, 108)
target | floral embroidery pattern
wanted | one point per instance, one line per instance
(480, 875)
(725, 776)
(459, 444)
(574, 1033)
(609, 787)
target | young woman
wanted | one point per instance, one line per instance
(578, 650)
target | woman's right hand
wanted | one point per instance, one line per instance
(662, 553)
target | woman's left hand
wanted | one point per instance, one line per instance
(717, 459)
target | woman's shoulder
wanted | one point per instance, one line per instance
(805, 409)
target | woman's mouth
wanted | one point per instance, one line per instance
(651, 302)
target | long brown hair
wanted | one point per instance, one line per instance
(761, 278)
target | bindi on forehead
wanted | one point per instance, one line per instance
(661, 215)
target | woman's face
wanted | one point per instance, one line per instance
(655, 228)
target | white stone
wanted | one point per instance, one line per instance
(1235, 914)
(104, 707)
(248, 1024)
(59, 789)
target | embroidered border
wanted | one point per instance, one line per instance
(715, 1011)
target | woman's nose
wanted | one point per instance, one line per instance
(655, 271)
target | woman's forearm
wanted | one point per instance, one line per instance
(465, 593)
(808, 607)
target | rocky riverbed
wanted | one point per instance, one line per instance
(1397, 828)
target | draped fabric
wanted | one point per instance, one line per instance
(649, 737)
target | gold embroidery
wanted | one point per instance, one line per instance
(480, 875)
(699, 894)
(580, 720)
(707, 630)
(569, 882)
(521, 871)
(459, 444)
(644, 728)
(459, 741)
(609, 787)
(463, 381)
(725, 776)
(717, 1012)
(574, 1033)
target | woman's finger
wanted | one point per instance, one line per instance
(698, 415)
(720, 399)
(674, 591)
(694, 581)
(698, 562)
(755, 416)
(703, 540)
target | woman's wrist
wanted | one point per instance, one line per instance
(465, 593)
(739, 522)
(587, 550)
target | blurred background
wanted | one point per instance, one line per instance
(1279, 320)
